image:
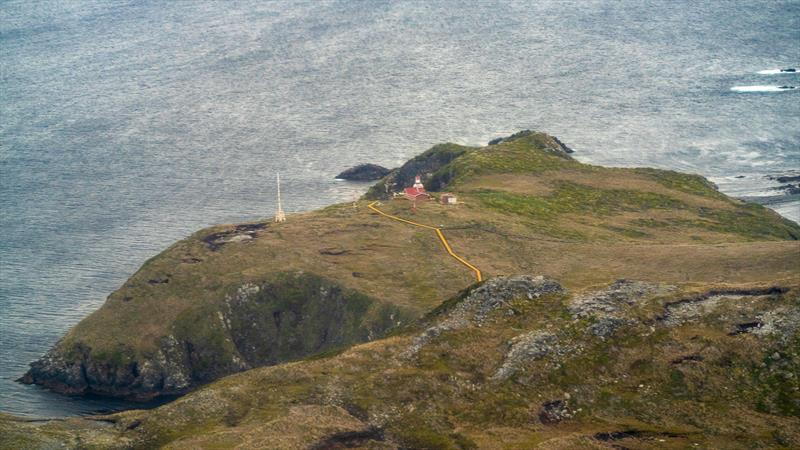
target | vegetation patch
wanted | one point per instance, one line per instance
(684, 182)
(748, 220)
(576, 198)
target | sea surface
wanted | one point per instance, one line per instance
(126, 125)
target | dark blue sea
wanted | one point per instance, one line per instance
(126, 125)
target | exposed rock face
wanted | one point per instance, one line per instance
(527, 347)
(781, 323)
(609, 305)
(610, 309)
(692, 308)
(554, 411)
(473, 309)
(167, 372)
(258, 324)
(607, 310)
(615, 299)
(521, 134)
(364, 172)
(239, 233)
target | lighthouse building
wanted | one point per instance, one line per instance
(416, 192)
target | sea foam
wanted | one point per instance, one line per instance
(760, 88)
(774, 72)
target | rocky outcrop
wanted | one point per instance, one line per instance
(293, 316)
(786, 179)
(615, 299)
(781, 324)
(473, 307)
(364, 172)
(524, 133)
(167, 372)
(554, 411)
(528, 347)
(425, 165)
(606, 310)
(238, 233)
(608, 306)
(698, 306)
(437, 170)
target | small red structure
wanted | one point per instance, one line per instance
(416, 192)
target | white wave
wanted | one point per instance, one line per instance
(773, 71)
(760, 88)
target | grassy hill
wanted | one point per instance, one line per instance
(513, 363)
(235, 297)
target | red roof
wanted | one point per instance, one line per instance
(412, 192)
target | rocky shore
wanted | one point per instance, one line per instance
(295, 316)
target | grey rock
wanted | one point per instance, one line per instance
(786, 179)
(560, 146)
(497, 292)
(553, 412)
(695, 307)
(607, 307)
(364, 172)
(475, 308)
(527, 347)
(781, 323)
(615, 299)
(607, 326)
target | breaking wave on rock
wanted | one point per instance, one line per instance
(762, 88)
(790, 70)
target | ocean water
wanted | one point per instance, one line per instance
(126, 125)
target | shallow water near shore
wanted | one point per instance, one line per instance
(128, 125)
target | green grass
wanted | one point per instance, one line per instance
(529, 155)
(748, 220)
(688, 183)
(576, 198)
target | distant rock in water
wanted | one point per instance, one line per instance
(786, 179)
(789, 189)
(525, 133)
(786, 184)
(364, 172)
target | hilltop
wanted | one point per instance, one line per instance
(575, 358)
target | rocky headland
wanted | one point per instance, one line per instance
(621, 307)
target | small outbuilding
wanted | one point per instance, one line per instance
(448, 199)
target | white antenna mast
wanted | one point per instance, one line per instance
(279, 215)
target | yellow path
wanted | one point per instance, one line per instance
(438, 233)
